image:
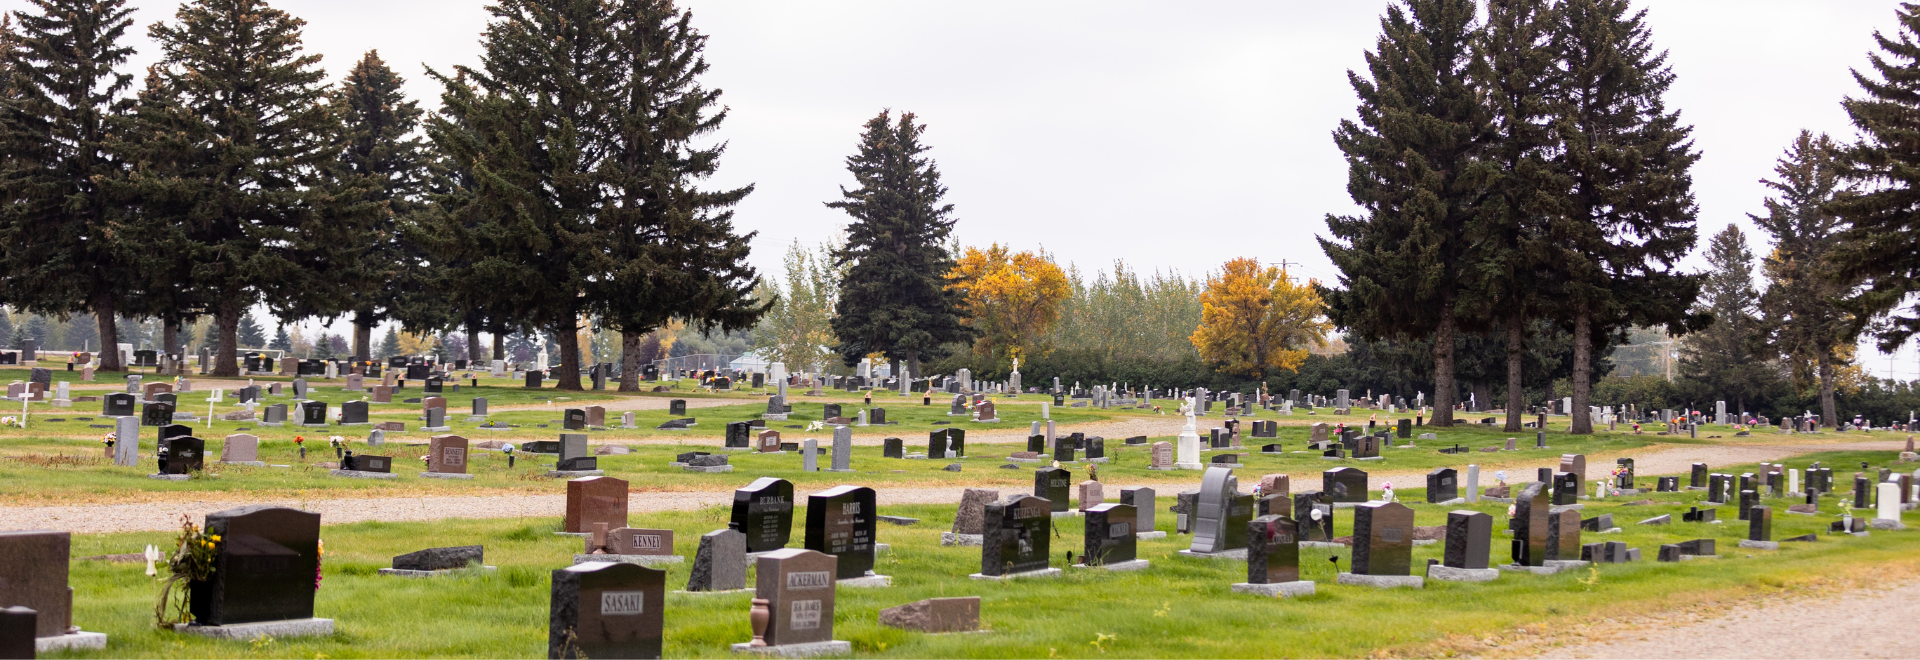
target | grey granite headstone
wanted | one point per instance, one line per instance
(721, 562)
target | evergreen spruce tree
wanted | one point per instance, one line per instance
(390, 344)
(671, 247)
(1727, 355)
(249, 333)
(378, 149)
(522, 243)
(235, 158)
(1880, 246)
(1803, 319)
(63, 243)
(6, 322)
(1630, 210)
(39, 330)
(1512, 272)
(1414, 166)
(893, 295)
(281, 341)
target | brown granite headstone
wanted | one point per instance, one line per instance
(607, 610)
(33, 574)
(798, 586)
(769, 441)
(447, 454)
(973, 510)
(433, 402)
(596, 416)
(595, 499)
(1275, 484)
(240, 448)
(630, 541)
(1163, 455)
(383, 394)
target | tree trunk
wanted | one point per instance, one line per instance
(1445, 391)
(1830, 416)
(568, 375)
(1582, 372)
(499, 343)
(224, 362)
(170, 337)
(1516, 397)
(630, 361)
(475, 354)
(109, 333)
(362, 336)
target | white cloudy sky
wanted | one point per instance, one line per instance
(1173, 136)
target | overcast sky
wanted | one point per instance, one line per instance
(1173, 136)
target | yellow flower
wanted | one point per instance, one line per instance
(214, 537)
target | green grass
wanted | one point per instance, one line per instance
(1180, 607)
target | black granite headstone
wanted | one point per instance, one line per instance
(1053, 484)
(1442, 485)
(1017, 535)
(763, 510)
(1110, 530)
(840, 522)
(607, 610)
(264, 567)
(1469, 539)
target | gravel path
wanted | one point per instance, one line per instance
(159, 516)
(153, 514)
(1834, 627)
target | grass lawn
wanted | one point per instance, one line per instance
(1180, 607)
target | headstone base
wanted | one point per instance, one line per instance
(1275, 589)
(322, 426)
(826, 470)
(1189, 466)
(169, 477)
(715, 468)
(1549, 568)
(258, 629)
(1451, 502)
(1886, 523)
(357, 474)
(835, 647)
(1101, 459)
(401, 572)
(436, 429)
(1148, 536)
(68, 403)
(1237, 553)
(771, 417)
(83, 640)
(1450, 574)
(251, 463)
(272, 424)
(569, 474)
(1383, 581)
(643, 560)
(1760, 545)
(1027, 460)
(1135, 565)
(868, 581)
(1042, 573)
(356, 423)
(446, 475)
(950, 538)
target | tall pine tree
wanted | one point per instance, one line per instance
(893, 297)
(1630, 211)
(1414, 167)
(62, 246)
(1727, 356)
(1881, 243)
(238, 140)
(379, 150)
(1803, 317)
(1512, 270)
(671, 248)
(521, 242)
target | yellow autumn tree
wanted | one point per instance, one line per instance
(1255, 320)
(1011, 299)
(417, 343)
